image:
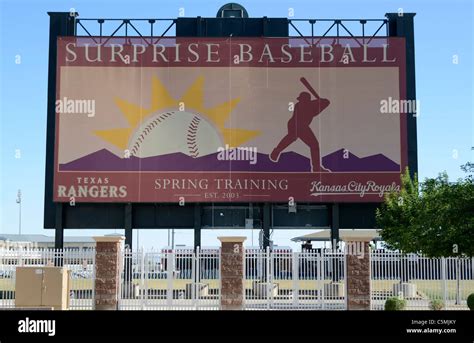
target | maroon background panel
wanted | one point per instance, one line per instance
(232, 186)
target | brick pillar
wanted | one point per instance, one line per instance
(107, 272)
(358, 274)
(232, 273)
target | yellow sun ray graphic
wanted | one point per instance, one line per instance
(118, 137)
(161, 100)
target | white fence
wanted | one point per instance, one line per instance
(421, 280)
(80, 263)
(187, 280)
(279, 279)
(308, 280)
(178, 280)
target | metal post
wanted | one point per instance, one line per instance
(172, 239)
(143, 286)
(312, 22)
(169, 277)
(363, 22)
(443, 280)
(334, 240)
(334, 225)
(60, 24)
(267, 267)
(402, 270)
(322, 274)
(128, 226)
(458, 282)
(272, 268)
(138, 239)
(346, 292)
(197, 225)
(128, 255)
(18, 201)
(93, 278)
(403, 26)
(219, 277)
(294, 274)
(265, 26)
(195, 277)
(59, 229)
(266, 225)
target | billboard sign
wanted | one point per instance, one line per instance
(229, 119)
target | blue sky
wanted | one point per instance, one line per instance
(443, 29)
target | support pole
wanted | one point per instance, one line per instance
(60, 24)
(197, 225)
(334, 225)
(59, 236)
(266, 223)
(128, 226)
(59, 228)
(334, 242)
(402, 25)
(128, 288)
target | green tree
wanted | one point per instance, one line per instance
(398, 215)
(468, 167)
(435, 217)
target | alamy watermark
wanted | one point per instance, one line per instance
(352, 248)
(228, 153)
(396, 106)
(28, 325)
(75, 106)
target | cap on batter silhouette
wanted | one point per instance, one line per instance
(304, 96)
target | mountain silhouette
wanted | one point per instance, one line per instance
(341, 162)
(104, 160)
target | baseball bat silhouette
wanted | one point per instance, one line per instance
(309, 87)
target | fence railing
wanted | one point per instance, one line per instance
(305, 280)
(81, 264)
(272, 280)
(170, 280)
(308, 280)
(421, 280)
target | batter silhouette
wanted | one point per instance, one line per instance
(298, 127)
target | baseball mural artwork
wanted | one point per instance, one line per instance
(298, 126)
(217, 119)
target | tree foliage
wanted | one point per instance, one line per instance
(435, 217)
(468, 167)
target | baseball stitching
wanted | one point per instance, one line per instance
(147, 130)
(191, 137)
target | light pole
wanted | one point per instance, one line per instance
(18, 201)
(138, 239)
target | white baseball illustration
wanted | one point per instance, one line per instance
(172, 132)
